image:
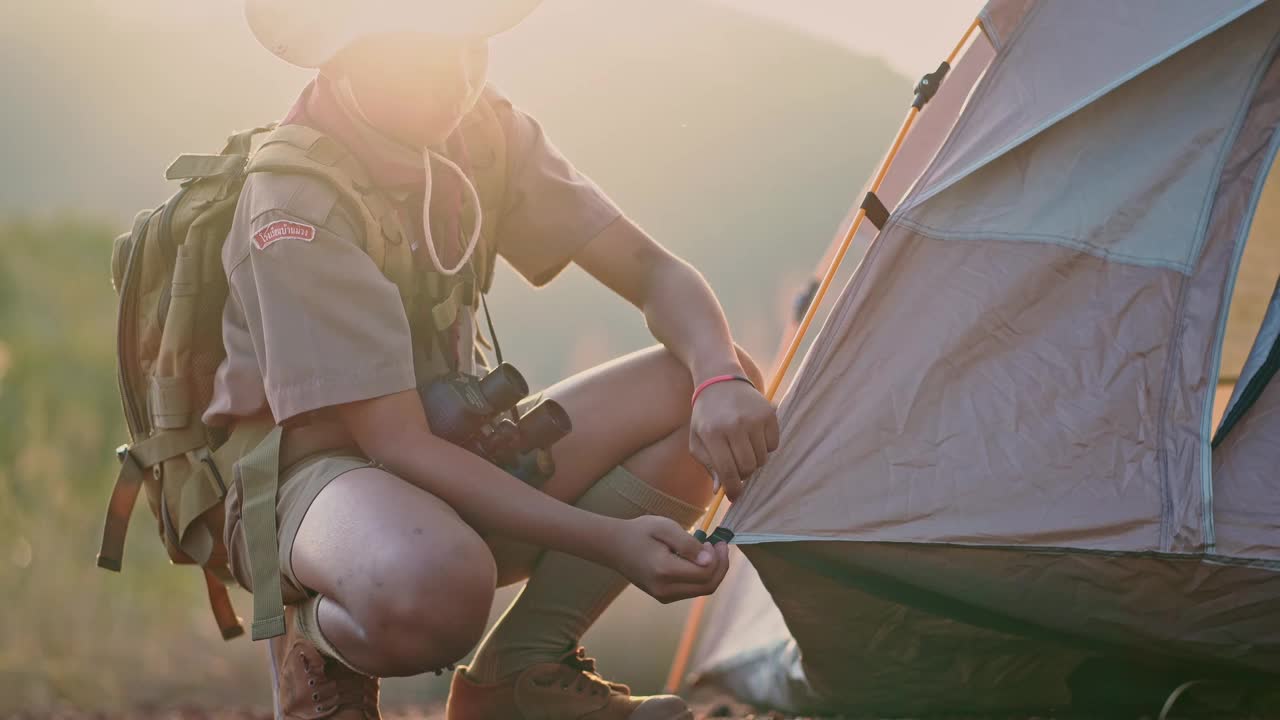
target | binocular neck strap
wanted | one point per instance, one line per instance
(493, 335)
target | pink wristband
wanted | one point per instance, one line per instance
(717, 379)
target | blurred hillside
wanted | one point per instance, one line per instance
(736, 142)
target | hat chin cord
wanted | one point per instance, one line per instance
(427, 156)
(348, 96)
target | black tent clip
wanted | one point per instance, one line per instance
(929, 84)
(719, 535)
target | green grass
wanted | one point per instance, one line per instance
(72, 633)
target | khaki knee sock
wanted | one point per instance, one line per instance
(565, 594)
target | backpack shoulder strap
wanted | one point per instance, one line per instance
(302, 150)
(229, 165)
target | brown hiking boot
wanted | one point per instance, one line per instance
(566, 690)
(310, 686)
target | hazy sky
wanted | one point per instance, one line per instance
(913, 36)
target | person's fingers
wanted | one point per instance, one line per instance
(744, 456)
(699, 453)
(772, 432)
(681, 590)
(743, 462)
(699, 450)
(685, 546)
(760, 445)
(722, 462)
(721, 551)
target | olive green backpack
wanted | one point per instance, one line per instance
(167, 272)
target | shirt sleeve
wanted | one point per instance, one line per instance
(326, 325)
(551, 209)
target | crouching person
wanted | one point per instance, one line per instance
(355, 270)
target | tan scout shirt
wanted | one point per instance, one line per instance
(311, 322)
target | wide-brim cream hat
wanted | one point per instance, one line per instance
(308, 33)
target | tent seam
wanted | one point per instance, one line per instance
(1162, 451)
(1207, 530)
(976, 96)
(988, 26)
(1228, 144)
(1240, 240)
(1215, 558)
(1064, 241)
(1088, 100)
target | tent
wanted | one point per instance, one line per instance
(1001, 461)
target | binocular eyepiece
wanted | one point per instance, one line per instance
(467, 411)
(503, 388)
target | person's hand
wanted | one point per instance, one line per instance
(732, 432)
(666, 562)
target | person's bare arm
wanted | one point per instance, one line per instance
(653, 552)
(733, 428)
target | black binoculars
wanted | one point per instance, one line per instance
(468, 411)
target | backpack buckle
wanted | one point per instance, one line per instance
(125, 452)
(211, 469)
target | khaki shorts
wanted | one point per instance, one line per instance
(300, 484)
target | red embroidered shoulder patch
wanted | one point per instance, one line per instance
(281, 229)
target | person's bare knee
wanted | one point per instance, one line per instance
(431, 608)
(415, 579)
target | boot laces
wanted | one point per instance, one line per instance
(577, 672)
(334, 686)
(578, 660)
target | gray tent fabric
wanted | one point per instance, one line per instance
(746, 646)
(744, 643)
(1032, 88)
(995, 461)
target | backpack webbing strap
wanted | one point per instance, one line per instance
(303, 150)
(187, 167)
(259, 473)
(445, 312)
(220, 603)
(134, 461)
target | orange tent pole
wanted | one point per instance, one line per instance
(687, 637)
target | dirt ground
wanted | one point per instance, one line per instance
(705, 710)
(706, 706)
